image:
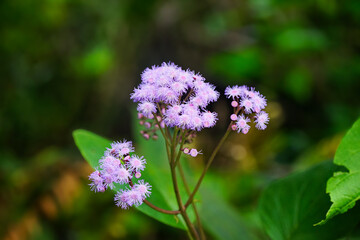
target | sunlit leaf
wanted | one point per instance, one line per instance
(344, 187)
(291, 206)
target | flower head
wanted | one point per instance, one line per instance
(181, 96)
(117, 166)
(248, 104)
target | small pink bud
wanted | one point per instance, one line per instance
(140, 115)
(186, 150)
(193, 152)
(156, 125)
(233, 117)
(155, 137)
(162, 125)
(233, 127)
(245, 130)
(234, 104)
(137, 175)
(146, 136)
(147, 125)
(141, 122)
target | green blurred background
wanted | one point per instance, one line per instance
(72, 64)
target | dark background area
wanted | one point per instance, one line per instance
(73, 64)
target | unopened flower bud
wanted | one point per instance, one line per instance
(147, 125)
(186, 150)
(146, 136)
(137, 174)
(234, 104)
(233, 117)
(193, 152)
(233, 127)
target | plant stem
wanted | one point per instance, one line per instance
(160, 209)
(182, 209)
(189, 224)
(164, 136)
(191, 197)
(202, 234)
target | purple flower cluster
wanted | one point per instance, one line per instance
(248, 105)
(119, 166)
(178, 98)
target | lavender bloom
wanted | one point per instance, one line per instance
(117, 166)
(182, 97)
(136, 163)
(249, 104)
(120, 148)
(262, 118)
(143, 188)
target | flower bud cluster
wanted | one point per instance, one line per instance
(177, 96)
(192, 152)
(150, 126)
(248, 105)
(119, 166)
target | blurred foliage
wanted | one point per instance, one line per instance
(72, 64)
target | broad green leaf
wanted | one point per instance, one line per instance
(218, 217)
(289, 207)
(92, 147)
(344, 187)
(221, 219)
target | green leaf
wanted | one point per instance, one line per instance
(92, 148)
(220, 218)
(290, 206)
(344, 187)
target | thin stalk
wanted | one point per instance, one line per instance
(164, 136)
(202, 234)
(181, 145)
(189, 224)
(160, 209)
(182, 209)
(191, 197)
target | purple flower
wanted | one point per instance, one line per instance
(97, 184)
(121, 199)
(119, 148)
(117, 166)
(136, 163)
(143, 188)
(147, 108)
(262, 118)
(249, 103)
(182, 96)
(134, 197)
(242, 123)
(209, 119)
